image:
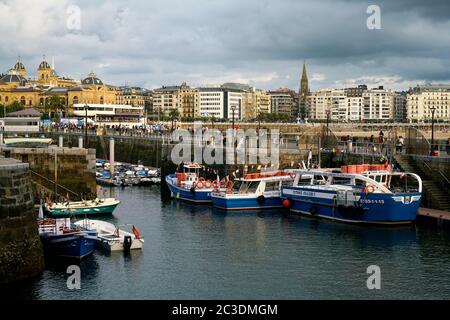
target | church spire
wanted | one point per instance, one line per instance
(303, 93)
(304, 82)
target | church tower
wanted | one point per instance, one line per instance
(303, 92)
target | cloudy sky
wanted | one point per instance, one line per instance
(260, 42)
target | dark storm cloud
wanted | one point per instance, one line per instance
(259, 42)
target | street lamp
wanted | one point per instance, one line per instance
(432, 109)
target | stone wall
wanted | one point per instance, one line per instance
(76, 168)
(21, 254)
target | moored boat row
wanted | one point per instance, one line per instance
(363, 194)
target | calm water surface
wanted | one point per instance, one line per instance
(201, 253)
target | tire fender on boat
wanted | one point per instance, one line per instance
(260, 199)
(127, 241)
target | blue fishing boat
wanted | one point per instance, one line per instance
(190, 186)
(62, 239)
(365, 195)
(253, 192)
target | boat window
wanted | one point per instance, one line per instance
(272, 186)
(340, 180)
(250, 186)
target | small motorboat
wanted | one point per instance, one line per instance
(85, 207)
(111, 238)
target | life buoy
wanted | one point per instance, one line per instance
(216, 186)
(223, 183)
(369, 189)
(199, 185)
(229, 187)
(201, 179)
(207, 184)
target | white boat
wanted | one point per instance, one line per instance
(111, 237)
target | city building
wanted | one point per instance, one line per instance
(111, 114)
(378, 104)
(211, 102)
(400, 106)
(15, 86)
(422, 100)
(284, 101)
(183, 99)
(254, 103)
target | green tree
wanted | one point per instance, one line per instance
(173, 114)
(13, 107)
(54, 104)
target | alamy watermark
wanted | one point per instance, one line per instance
(74, 279)
(374, 280)
(73, 21)
(231, 147)
(373, 21)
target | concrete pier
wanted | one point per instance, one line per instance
(433, 217)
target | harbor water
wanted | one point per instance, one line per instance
(196, 252)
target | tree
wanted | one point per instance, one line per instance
(54, 104)
(13, 107)
(173, 114)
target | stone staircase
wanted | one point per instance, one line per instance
(435, 196)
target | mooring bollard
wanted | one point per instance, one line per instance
(80, 142)
(61, 141)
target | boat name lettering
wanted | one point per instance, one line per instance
(379, 201)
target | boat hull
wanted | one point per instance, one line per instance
(372, 208)
(229, 202)
(80, 211)
(74, 245)
(117, 245)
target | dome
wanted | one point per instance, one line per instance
(19, 66)
(11, 78)
(44, 65)
(91, 80)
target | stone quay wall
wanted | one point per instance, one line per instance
(21, 253)
(75, 169)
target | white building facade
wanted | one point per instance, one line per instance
(423, 99)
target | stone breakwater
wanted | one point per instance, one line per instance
(21, 253)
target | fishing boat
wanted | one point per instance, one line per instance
(111, 238)
(252, 192)
(189, 186)
(60, 238)
(85, 207)
(365, 194)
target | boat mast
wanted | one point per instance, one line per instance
(56, 173)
